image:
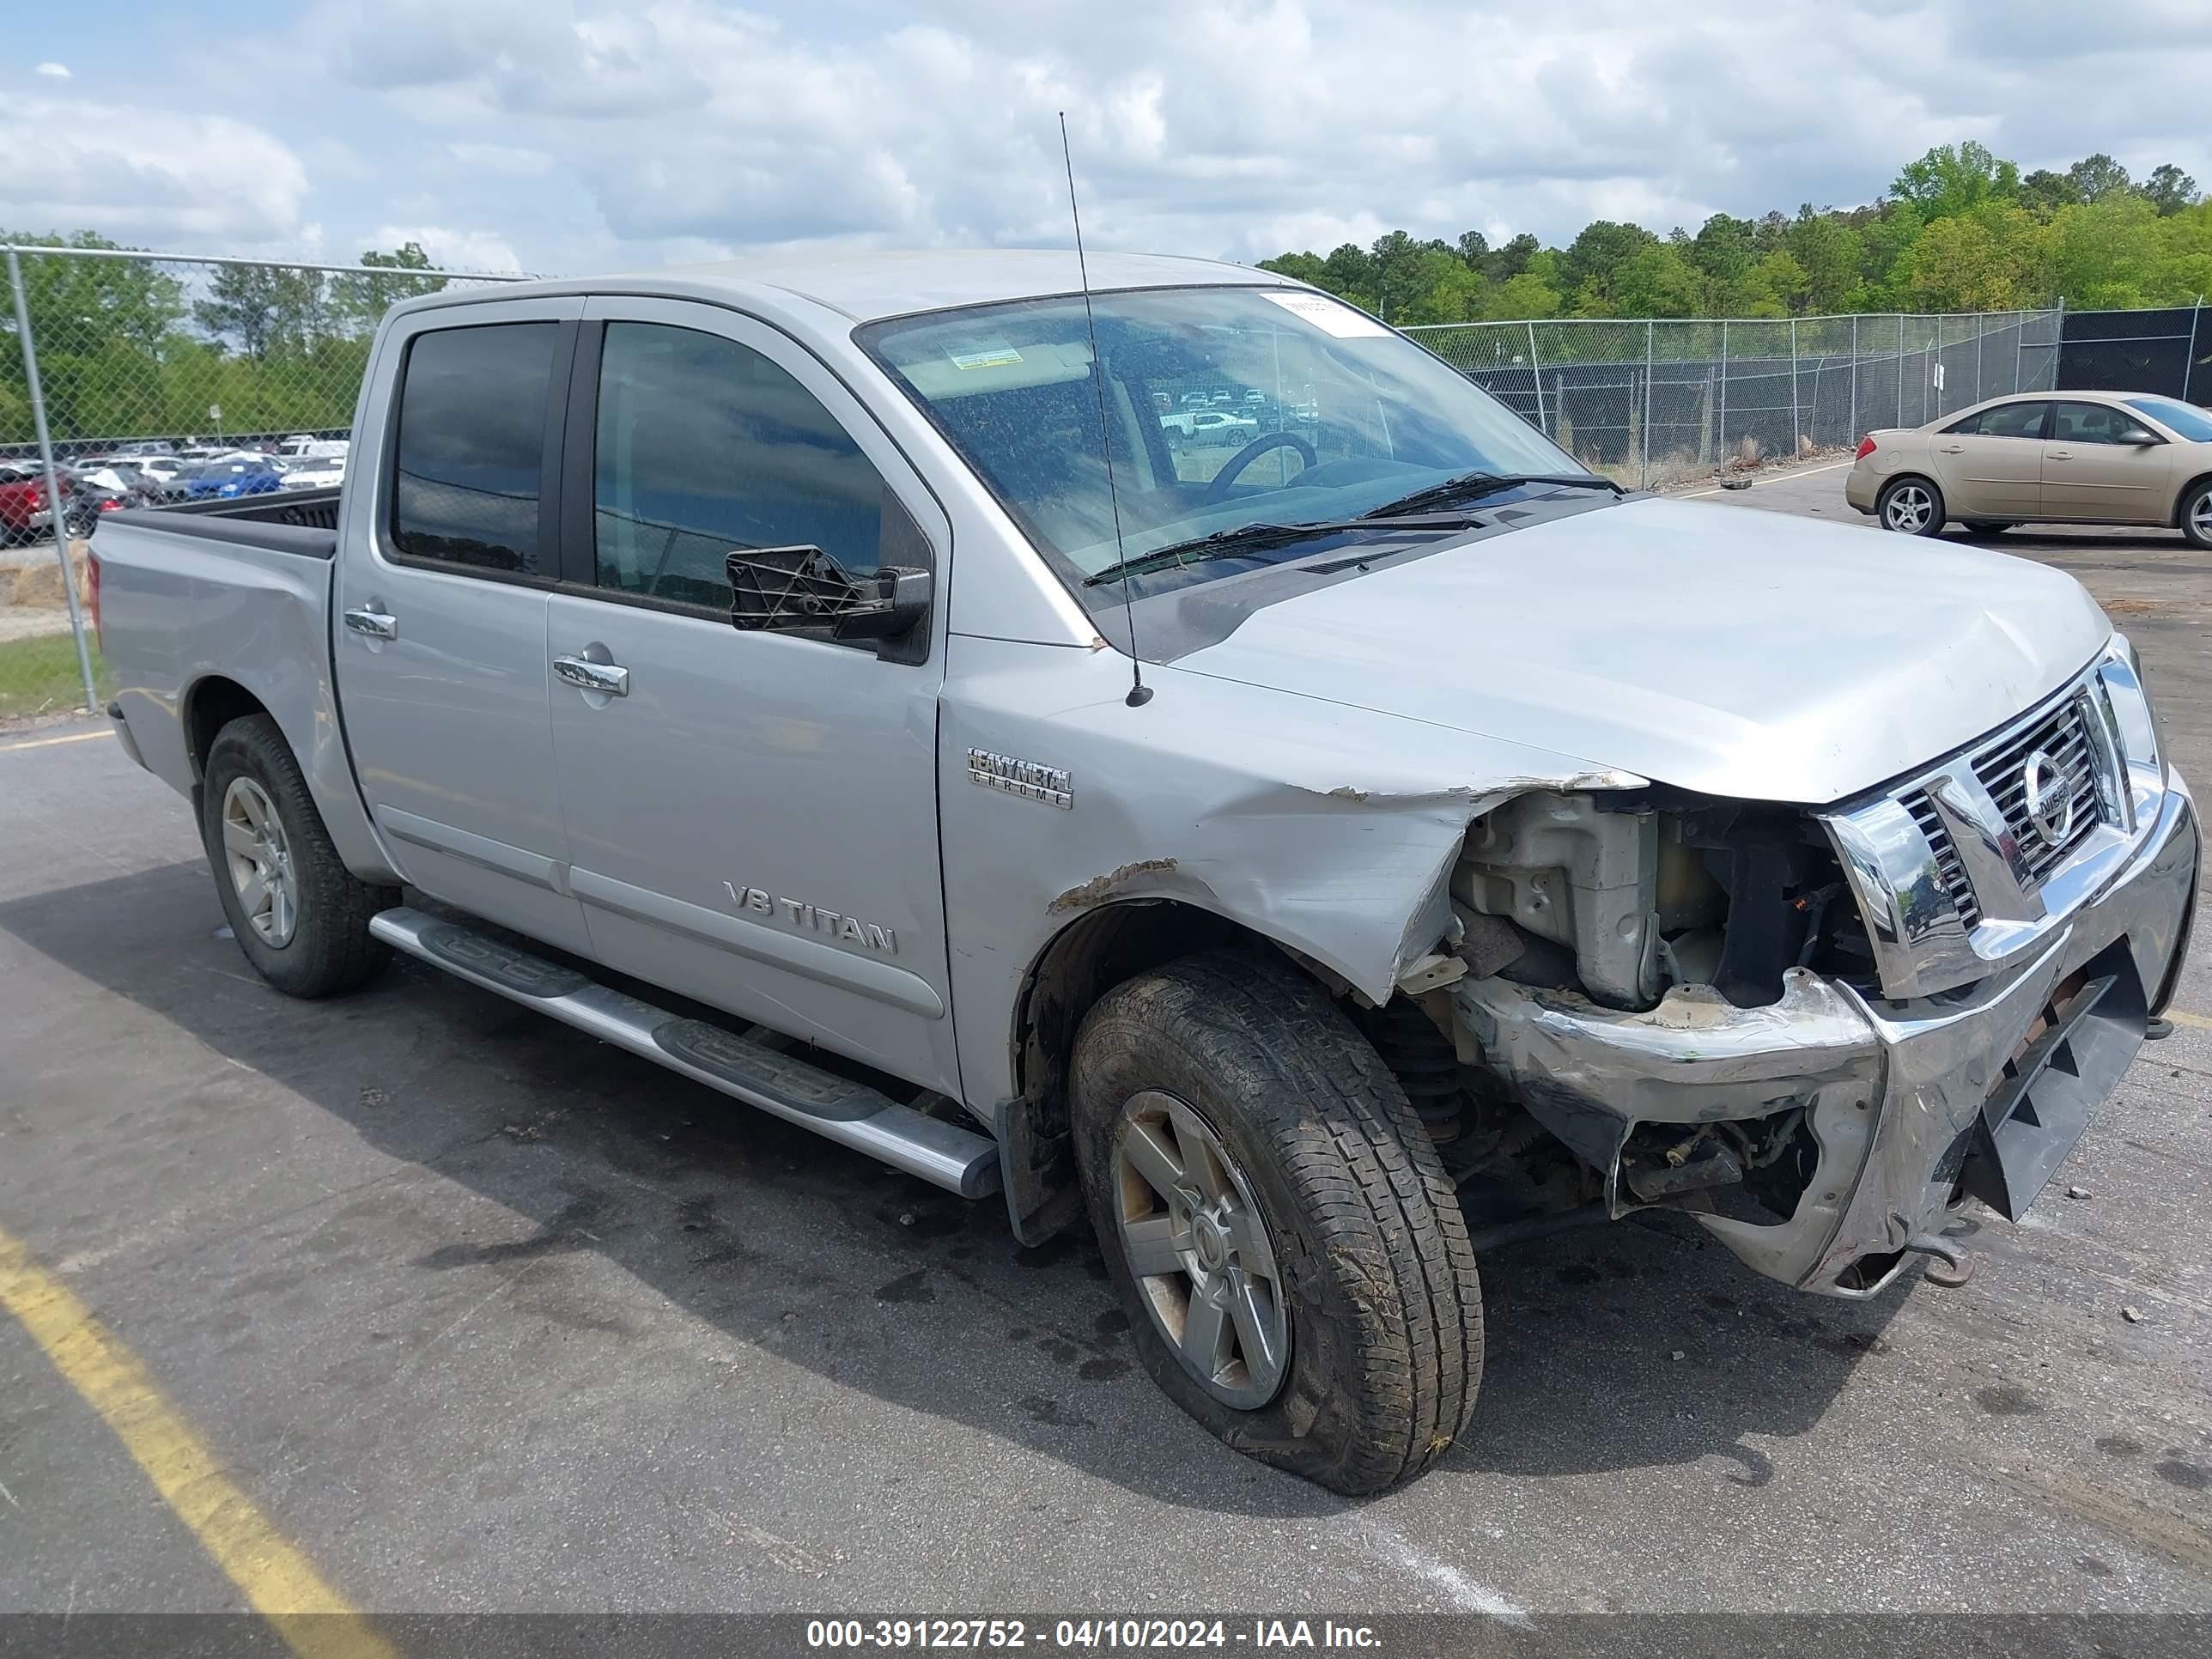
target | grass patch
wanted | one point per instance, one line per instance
(39, 675)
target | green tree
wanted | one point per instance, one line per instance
(265, 309)
(1592, 264)
(362, 299)
(2169, 189)
(2095, 177)
(1953, 177)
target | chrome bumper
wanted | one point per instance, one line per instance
(1892, 1090)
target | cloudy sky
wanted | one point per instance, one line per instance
(545, 135)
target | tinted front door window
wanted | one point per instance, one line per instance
(705, 448)
(471, 445)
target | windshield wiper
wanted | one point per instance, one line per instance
(1233, 543)
(1473, 486)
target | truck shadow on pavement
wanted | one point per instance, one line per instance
(1623, 1348)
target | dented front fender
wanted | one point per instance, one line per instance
(1327, 828)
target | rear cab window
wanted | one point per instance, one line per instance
(469, 454)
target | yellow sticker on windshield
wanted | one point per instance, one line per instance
(1324, 313)
(996, 359)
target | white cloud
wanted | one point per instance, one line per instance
(612, 132)
(1242, 128)
(451, 250)
(53, 71)
(151, 175)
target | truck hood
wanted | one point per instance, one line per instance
(1726, 650)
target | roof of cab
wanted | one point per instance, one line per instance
(867, 286)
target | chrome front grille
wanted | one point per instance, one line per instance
(2063, 735)
(1964, 863)
(1946, 852)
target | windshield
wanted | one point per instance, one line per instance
(2183, 420)
(1228, 406)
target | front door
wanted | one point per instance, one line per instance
(752, 816)
(441, 637)
(1990, 465)
(2102, 464)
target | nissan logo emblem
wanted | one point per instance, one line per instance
(2049, 798)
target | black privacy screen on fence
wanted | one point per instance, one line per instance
(2167, 351)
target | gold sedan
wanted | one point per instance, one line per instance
(2052, 457)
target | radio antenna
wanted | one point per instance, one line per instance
(1140, 693)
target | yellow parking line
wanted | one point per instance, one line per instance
(277, 1580)
(48, 743)
(2197, 1022)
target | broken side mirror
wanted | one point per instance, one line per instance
(793, 589)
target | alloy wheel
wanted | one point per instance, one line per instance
(1198, 1247)
(2200, 517)
(1908, 508)
(259, 859)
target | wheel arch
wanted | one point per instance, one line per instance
(2181, 496)
(210, 703)
(1096, 950)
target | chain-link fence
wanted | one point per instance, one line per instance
(1656, 401)
(130, 380)
(136, 350)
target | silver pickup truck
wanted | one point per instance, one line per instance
(1323, 850)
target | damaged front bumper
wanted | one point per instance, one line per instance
(1911, 1103)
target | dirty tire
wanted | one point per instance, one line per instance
(1385, 1306)
(2196, 514)
(1910, 504)
(329, 948)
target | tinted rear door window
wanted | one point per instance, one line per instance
(471, 445)
(2014, 421)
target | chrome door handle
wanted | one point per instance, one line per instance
(376, 624)
(2057, 454)
(1953, 449)
(588, 676)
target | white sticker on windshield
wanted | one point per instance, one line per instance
(998, 357)
(1325, 314)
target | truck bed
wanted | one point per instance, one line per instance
(208, 609)
(305, 522)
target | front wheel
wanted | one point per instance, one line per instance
(1292, 1255)
(299, 914)
(2197, 515)
(1911, 507)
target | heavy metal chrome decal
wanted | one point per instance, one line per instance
(1027, 779)
(2049, 798)
(812, 918)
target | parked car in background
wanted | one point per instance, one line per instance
(2123, 457)
(315, 472)
(233, 476)
(1217, 425)
(25, 515)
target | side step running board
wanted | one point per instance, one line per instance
(851, 1114)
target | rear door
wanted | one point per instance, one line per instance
(752, 816)
(450, 554)
(2102, 464)
(1990, 465)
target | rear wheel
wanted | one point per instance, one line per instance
(1291, 1253)
(2196, 514)
(299, 914)
(1911, 507)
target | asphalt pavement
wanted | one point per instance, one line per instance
(481, 1315)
